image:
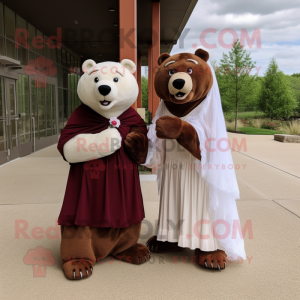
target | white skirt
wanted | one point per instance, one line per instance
(184, 205)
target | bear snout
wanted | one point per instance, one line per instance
(178, 83)
(104, 90)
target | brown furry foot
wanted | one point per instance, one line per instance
(162, 247)
(136, 254)
(78, 268)
(212, 259)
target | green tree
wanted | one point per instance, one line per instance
(144, 92)
(234, 76)
(296, 75)
(276, 98)
(295, 86)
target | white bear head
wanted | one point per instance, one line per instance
(109, 88)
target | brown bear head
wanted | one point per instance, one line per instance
(183, 80)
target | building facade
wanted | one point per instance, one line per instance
(41, 57)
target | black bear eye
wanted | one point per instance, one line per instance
(116, 79)
(189, 70)
(96, 79)
(171, 72)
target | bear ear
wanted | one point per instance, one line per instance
(129, 65)
(202, 54)
(87, 65)
(162, 58)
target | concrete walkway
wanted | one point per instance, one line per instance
(268, 173)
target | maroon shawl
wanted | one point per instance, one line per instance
(104, 192)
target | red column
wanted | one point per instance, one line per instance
(150, 77)
(139, 80)
(155, 50)
(127, 23)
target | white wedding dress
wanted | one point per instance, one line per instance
(184, 200)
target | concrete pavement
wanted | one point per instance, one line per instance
(32, 190)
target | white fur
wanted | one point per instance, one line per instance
(122, 95)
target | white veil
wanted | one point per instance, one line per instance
(216, 167)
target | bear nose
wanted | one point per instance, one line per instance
(178, 83)
(104, 89)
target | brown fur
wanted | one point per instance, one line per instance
(136, 143)
(83, 246)
(185, 134)
(211, 257)
(201, 77)
(172, 127)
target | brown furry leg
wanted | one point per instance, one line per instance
(162, 247)
(212, 259)
(82, 246)
(127, 249)
(76, 252)
(136, 254)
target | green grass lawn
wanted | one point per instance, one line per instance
(244, 115)
(259, 131)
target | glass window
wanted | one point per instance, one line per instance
(40, 43)
(20, 25)
(12, 99)
(70, 105)
(63, 57)
(31, 30)
(31, 56)
(73, 82)
(58, 56)
(69, 81)
(65, 77)
(34, 107)
(75, 104)
(53, 105)
(2, 98)
(22, 55)
(60, 109)
(47, 49)
(72, 62)
(53, 51)
(24, 109)
(41, 111)
(68, 60)
(11, 49)
(48, 109)
(2, 46)
(1, 19)
(13, 131)
(2, 135)
(9, 23)
(76, 81)
(65, 107)
(78, 66)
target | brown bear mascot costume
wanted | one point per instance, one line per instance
(195, 174)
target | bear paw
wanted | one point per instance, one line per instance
(136, 254)
(137, 145)
(211, 259)
(168, 127)
(78, 268)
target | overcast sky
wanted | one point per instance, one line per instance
(277, 23)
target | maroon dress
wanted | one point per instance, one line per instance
(104, 192)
